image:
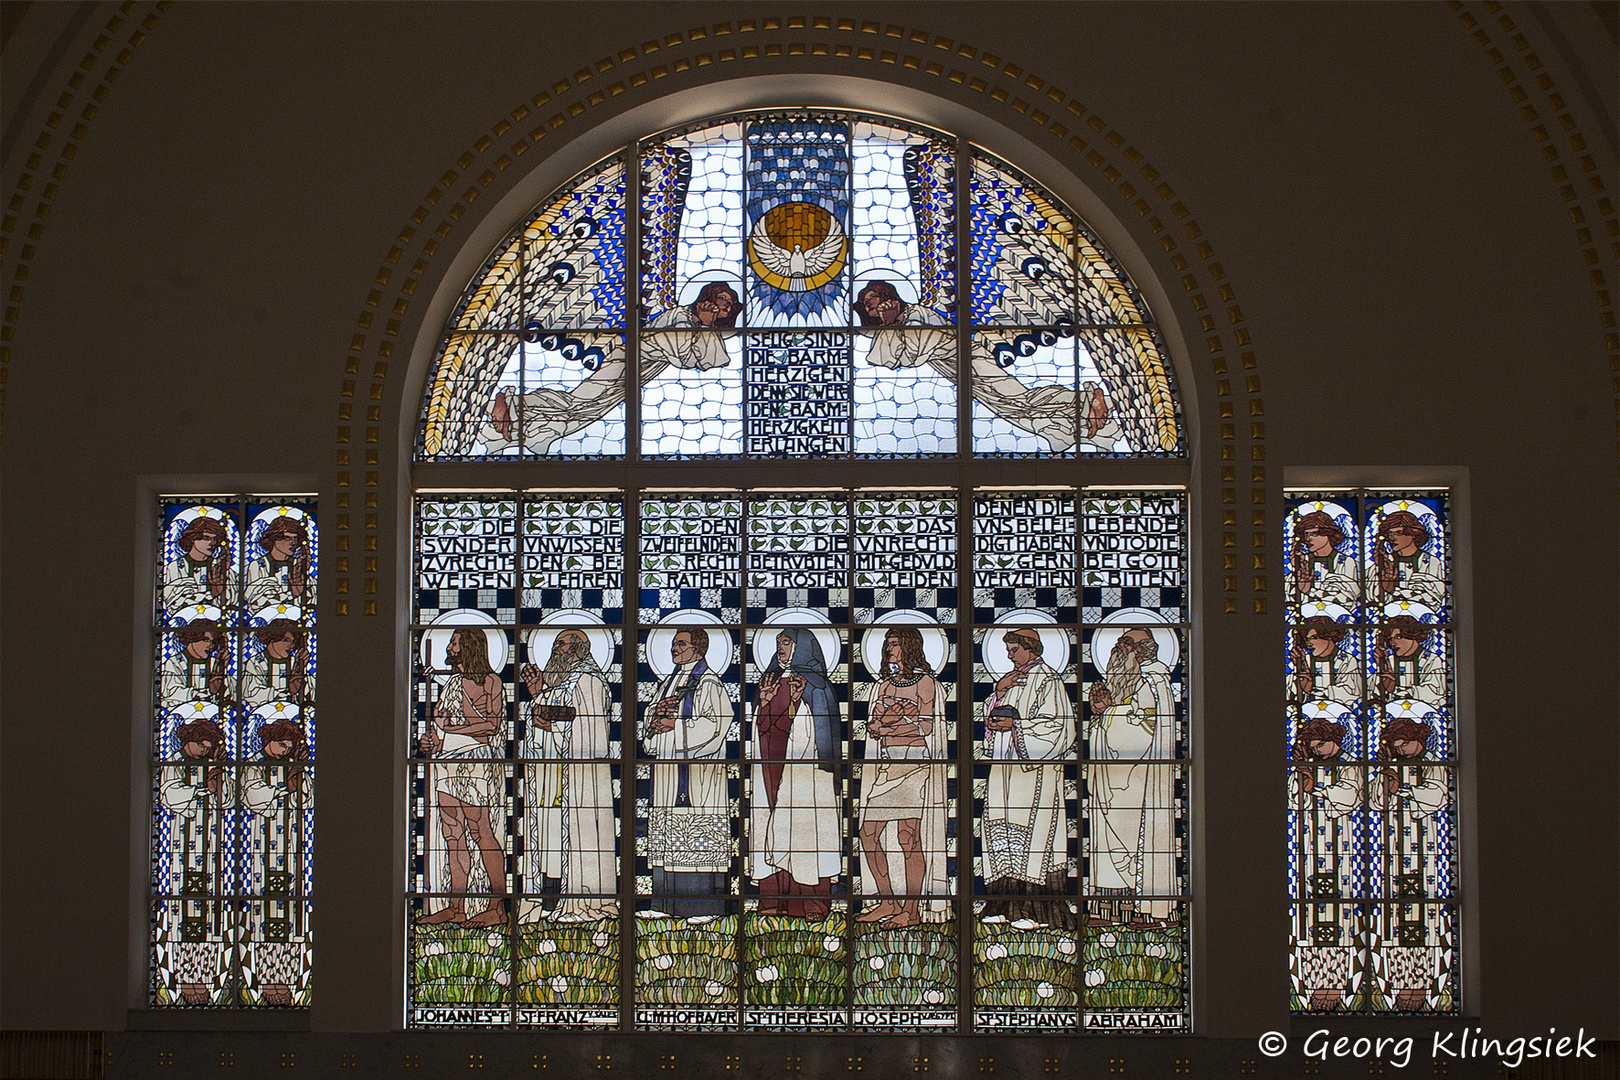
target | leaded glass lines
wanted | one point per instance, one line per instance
(1372, 741)
(833, 769)
(233, 752)
(797, 276)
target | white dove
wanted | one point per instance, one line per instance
(798, 266)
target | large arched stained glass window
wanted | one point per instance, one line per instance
(810, 747)
(807, 285)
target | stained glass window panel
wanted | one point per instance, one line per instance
(764, 235)
(885, 760)
(233, 752)
(798, 752)
(1372, 734)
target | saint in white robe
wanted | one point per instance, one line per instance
(1331, 579)
(1324, 823)
(568, 807)
(269, 582)
(184, 678)
(1132, 806)
(1420, 578)
(197, 865)
(265, 680)
(1335, 678)
(1025, 828)
(1415, 864)
(186, 584)
(1421, 676)
(689, 819)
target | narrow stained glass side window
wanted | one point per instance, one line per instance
(234, 751)
(1372, 738)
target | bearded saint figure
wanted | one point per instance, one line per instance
(1403, 566)
(1132, 806)
(568, 805)
(905, 786)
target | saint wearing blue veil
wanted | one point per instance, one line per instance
(796, 835)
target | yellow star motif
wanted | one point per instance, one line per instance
(283, 511)
(201, 608)
(280, 705)
(1320, 507)
(1405, 605)
(1405, 504)
(281, 609)
(1406, 706)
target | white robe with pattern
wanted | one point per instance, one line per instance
(1025, 830)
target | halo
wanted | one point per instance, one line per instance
(1411, 506)
(588, 623)
(1414, 709)
(660, 636)
(191, 513)
(192, 612)
(272, 711)
(195, 710)
(885, 271)
(1102, 640)
(687, 294)
(1423, 613)
(1054, 642)
(1322, 709)
(935, 645)
(832, 649)
(1336, 612)
(267, 516)
(437, 639)
(278, 611)
(1327, 506)
(835, 231)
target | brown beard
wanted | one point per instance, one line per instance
(557, 670)
(1124, 674)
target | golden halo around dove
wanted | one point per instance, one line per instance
(797, 246)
